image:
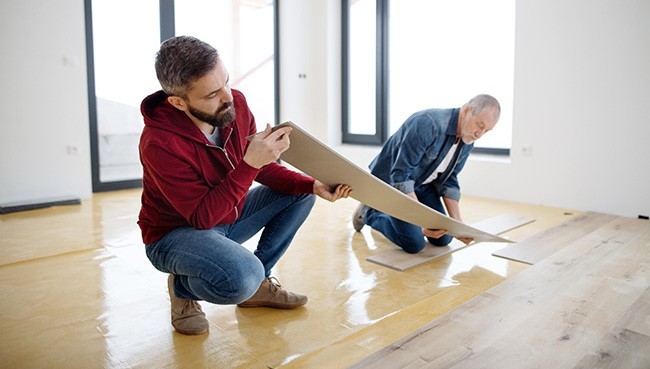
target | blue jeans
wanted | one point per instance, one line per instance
(406, 235)
(212, 265)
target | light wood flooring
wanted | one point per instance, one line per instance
(584, 304)
(78, 292)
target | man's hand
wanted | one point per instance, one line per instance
(267, 146)
(434, 233)
(453, 208)
(437, 233)
(324, 191)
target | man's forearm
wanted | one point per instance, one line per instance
(453, 208)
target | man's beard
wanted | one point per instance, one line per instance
(220, 119)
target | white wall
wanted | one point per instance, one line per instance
(44, 101)
(582, 102)
(309, 45)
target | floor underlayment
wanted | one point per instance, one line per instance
(83, 294)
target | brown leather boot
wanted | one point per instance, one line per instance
(187, 316)
(271, 294)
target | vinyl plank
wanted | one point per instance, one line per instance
(565, 311)
(545, 243)
(636, 319)
(445, 341)
(578, 261)
(620, 348)
(397, 259)
(321, 162)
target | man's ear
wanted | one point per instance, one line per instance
(466, 110)
(177, 102)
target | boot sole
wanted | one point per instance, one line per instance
(266, 304)
(192, 333)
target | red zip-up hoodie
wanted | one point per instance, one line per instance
(189, 182)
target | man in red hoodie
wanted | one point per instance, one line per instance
(197, 202)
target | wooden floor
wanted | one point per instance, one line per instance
(584, 305)
(78, 291)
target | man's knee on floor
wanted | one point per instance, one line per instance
(413, 245)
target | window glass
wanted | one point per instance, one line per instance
(442, 53)
(243, 33)
(125, 40)
(362, 112)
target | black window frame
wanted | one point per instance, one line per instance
(381, 91)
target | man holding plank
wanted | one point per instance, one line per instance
(197, 203)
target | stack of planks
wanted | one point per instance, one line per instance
(585, 303)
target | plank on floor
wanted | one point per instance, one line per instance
(399, 260)
(581, 307)
(545, 243)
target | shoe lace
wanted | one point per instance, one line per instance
(191, 307)
(275, 284)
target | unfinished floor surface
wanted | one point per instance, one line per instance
(78, 291)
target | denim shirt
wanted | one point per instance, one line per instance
(411, 155)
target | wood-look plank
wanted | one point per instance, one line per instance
(620, 348)
(399, 260)
(637, 318)
(537, 247)
(313, 157)
(584, 306)
(580, 260)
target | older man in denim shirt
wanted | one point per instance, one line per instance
(422, 159)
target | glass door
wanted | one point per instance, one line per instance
(125, 37)
(122, 40)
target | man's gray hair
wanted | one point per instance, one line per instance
(182, 60)
(479, 103)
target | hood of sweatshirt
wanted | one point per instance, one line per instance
(160, 114)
